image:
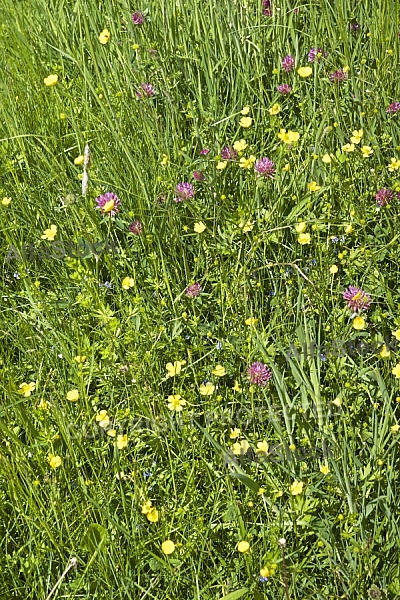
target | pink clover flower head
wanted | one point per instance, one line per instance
(312, 55)
(357, 299)
(204, 152)
(267, 9)
(393, 108)
(146, 90)
(228, 153)
(136, 227)
(338, 76)
(192, 291)
(284, 88)
(383, 196)
(265, 167)
(138, 17)
(259, 374)
(288, 63)
(355, 26)
(184, 191)
(107, 200)
(198, 175)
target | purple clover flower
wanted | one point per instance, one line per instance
(136, 227)
(146, 90)
(265, 167)
(204, 152)
(355, 26)
(267, 9)
(108, 203)
(383, 196)
(312, 55)
(393, 108)
(138, 17)
(357, 299)
(338, 76)
(228, 153)
(284, 88)
(259, 374)
(198, 175)
(184, 191)
(192, 291)
(288, 63)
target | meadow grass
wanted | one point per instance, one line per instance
(117, 331)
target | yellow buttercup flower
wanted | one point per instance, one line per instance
(397, 334)
(73, 395)
(289, 137)
(348, 229)
(207, 389)
(296, 488)
(326, 159)
(301, 227)
(79, 160)
(219, 371)
(50, 80)
(262, 447)
(246, 226)
(251, 321)
(396, 371)
(6, 201)
(247, 163)
(168, 547)
(54, 461)
(366, 151)
(199, 227)
(395, 428)
(348, 148)
(122, 441)
(164, 160)
(175, 368)
(49, 234)
(234, 433)
(245, 110)
(304, 71)
(243, 546)
(333, 269)
(356, 137)
(240, 447)
(313, 187)
(275, 109)
(304, 238)
(152, 515)
(127, 283)
(240, 145)
(176, 402)
(221, 165)
(324, 469)
(245, 122)
(104, 36)
(359, 323)
(236, 387)
(394, 165)
(103, 419)
(286, 167)
(385, 352)
(26, 389)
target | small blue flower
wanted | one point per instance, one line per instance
(219, 346)
(108, 285)
(334, 240)
(323, 357)
(272, 293)
(147, 474)
(17, 275)
(263, 579)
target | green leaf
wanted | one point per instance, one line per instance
(252, 485)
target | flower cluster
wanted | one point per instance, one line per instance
(108, 203)
(183, 191)
(383, 197)
(357, 299)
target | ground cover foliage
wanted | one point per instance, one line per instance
(183, 382)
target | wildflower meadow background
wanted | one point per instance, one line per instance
(199, 367)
